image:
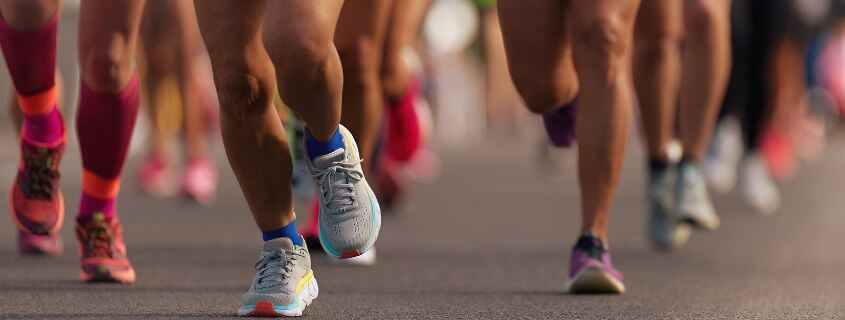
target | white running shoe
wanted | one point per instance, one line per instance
(284, 282)
(757, 185)
(664, 229)
(692, 201)
(723, 156)
(350, 217)
(367, 259)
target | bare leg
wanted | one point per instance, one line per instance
(359, 40)
(405, 25)
(602, 31)
(541, 65)
(706, 68)
(657, 67)
(298, 35)
(252, 133)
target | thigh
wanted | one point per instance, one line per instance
(659, 20)
(362, 23)
(301, 24)
(231, 30)
(536, 38)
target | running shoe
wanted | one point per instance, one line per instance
(367, 259)
(102, 250)
(664, 230)
(757, 185)
(35, 200)
(723, 156)
(560, 125)
(779, 153)
(350, 217)
(692, 201)
(404, 132)
(591, 270)
(200, 180)
(36, 244)
(284, 282)
(156, 178)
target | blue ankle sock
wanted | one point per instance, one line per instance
(316, 148)
(288, 231)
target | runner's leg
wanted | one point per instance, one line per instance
(359, 39)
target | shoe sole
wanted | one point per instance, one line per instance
(699, 220)
(29, 249)
(59, 221)
(125, 277)
(680, 237)
(375, 208)
(592, 279)
(267, 309)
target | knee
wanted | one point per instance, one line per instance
(244, 95)
(543, 94)
(653, 44)
(301, 54)
(600, 46)
(107, 68)
(701, 15)
(359, 62)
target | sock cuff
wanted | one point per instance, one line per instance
(49, 26)
(99, 187)
(129, 92)
(40, 103)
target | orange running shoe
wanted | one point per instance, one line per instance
(102, 250)
(35, 199)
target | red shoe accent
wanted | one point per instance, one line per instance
(404, 135)
(263, 309)
(350, 254)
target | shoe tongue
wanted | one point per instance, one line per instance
(327, 160)
(284, 244)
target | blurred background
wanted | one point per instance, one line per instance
(480, 220)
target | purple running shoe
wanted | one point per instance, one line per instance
(560, 125)
(590, 269)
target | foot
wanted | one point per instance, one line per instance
(350, 217)
(560, 125)
(103, 251)
(591, 270)
(156, 178)
(36, 244)
(692, 201)
(200, 180)
(758, 186)
(365, 260)
(404, 130)
(284, 282)
(723, 155)
(664, 230)
(35, 199)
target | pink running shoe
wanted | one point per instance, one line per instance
(200, 181)
(35, 199)
(590, 269)
(102, 250)
(404, 135)
(155, 177)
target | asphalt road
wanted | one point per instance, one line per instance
(489, 239)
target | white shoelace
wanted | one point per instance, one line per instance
(274, 269)
(336, 184)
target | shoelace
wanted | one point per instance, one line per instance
(336, 186)
(692, 185)
(274, 269)
(99, 238)
(41, 173)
